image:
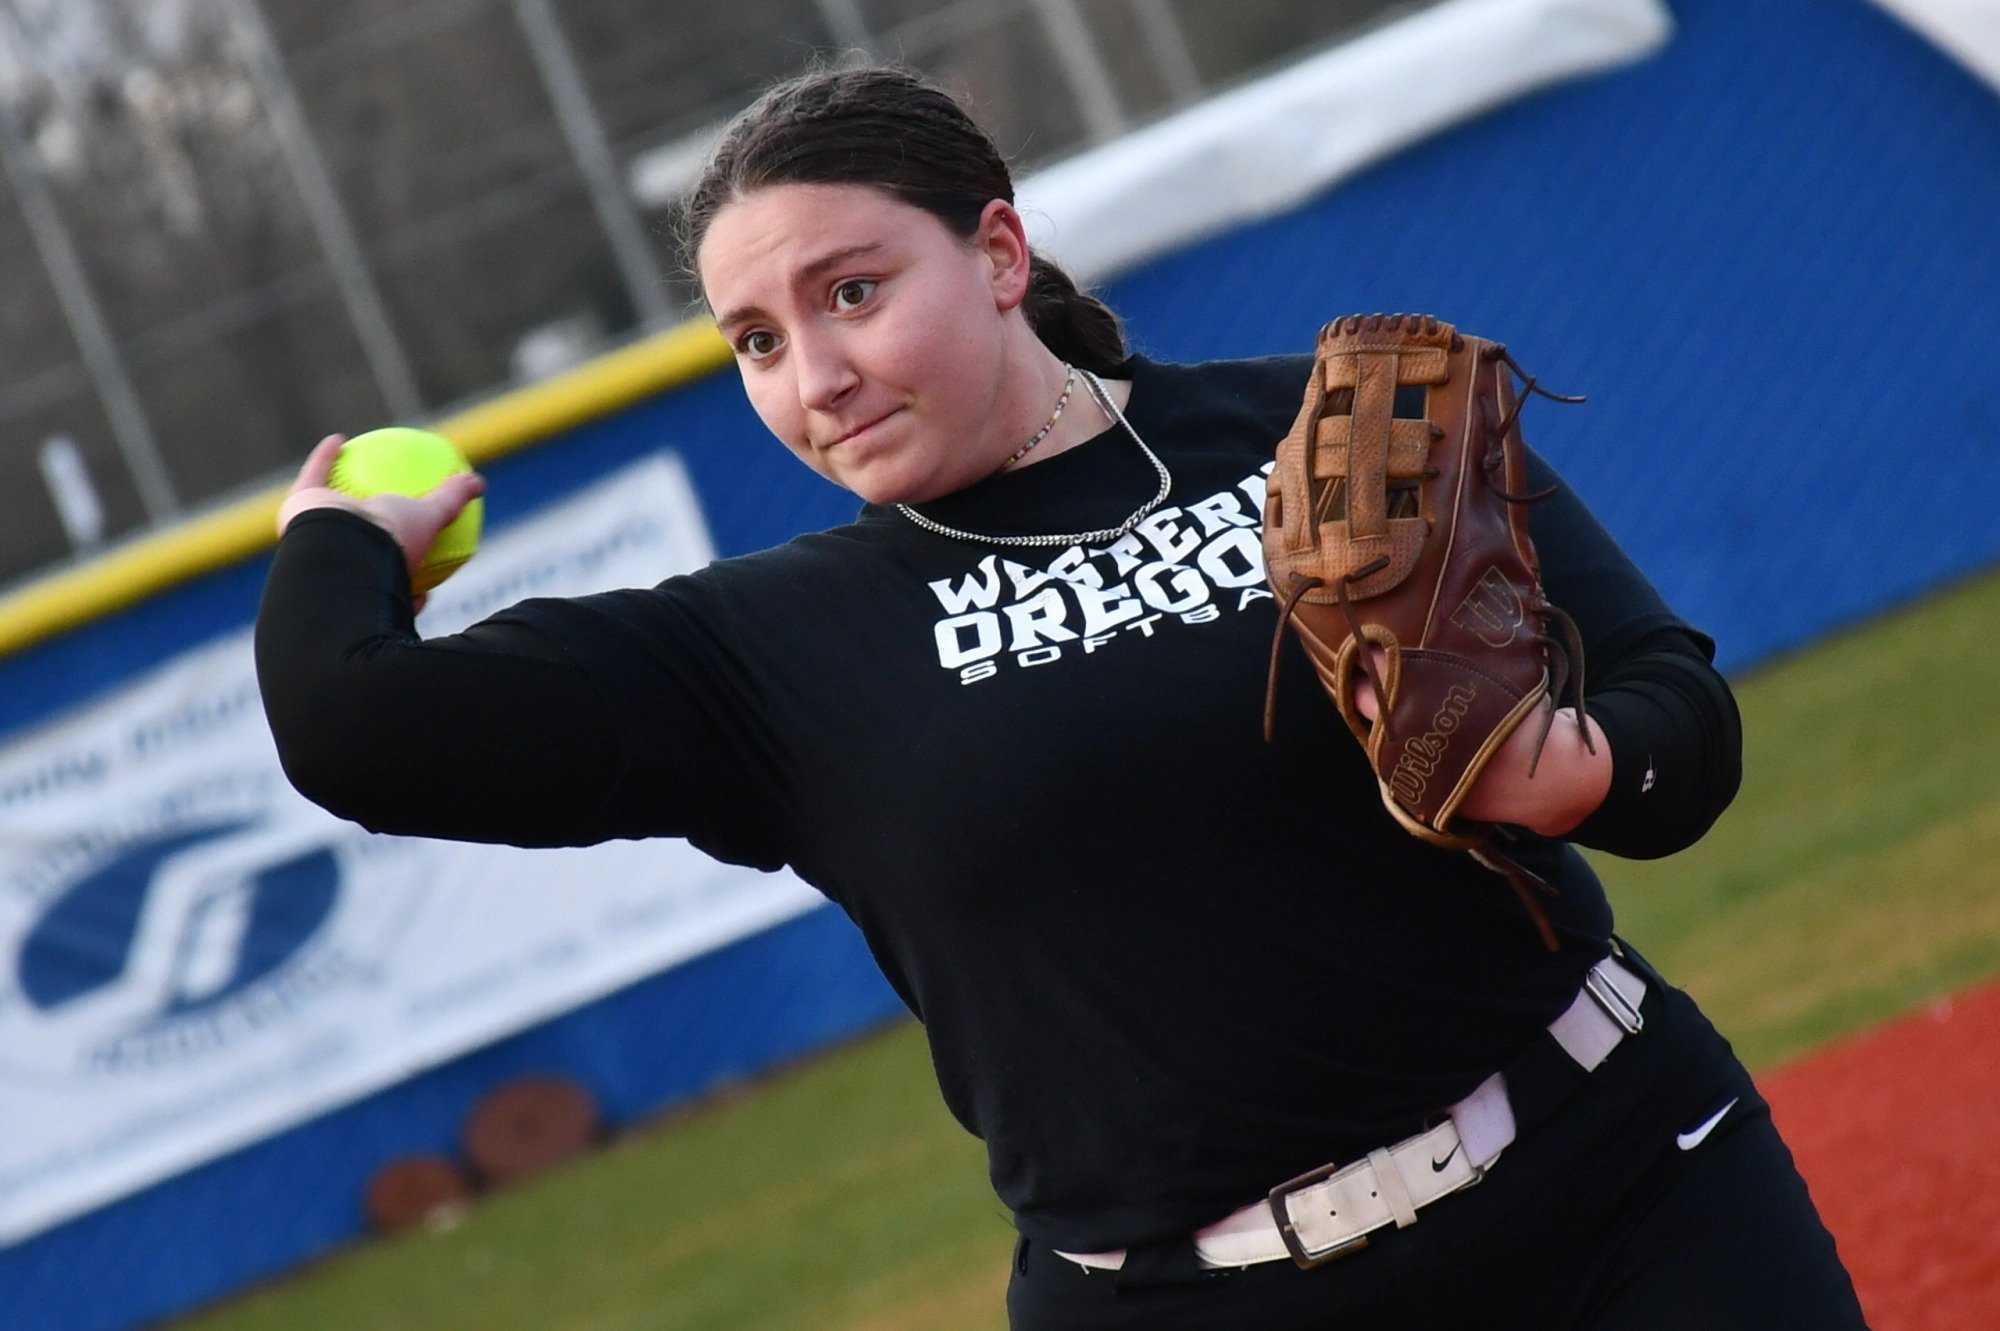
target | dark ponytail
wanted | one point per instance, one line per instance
(1077, 327)
(890, 128)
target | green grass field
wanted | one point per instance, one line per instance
(1852, 880)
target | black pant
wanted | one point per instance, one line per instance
(1595, 1220)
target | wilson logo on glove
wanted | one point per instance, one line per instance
(1422, 755)
(1493, 613)
(1400, 490)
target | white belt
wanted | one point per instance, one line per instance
(1331, 1211)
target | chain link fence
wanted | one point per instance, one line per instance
(230, 226)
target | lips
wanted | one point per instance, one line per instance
(862, 429)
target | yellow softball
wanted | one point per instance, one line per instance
(399, 460)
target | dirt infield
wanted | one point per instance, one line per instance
(1892, 1130)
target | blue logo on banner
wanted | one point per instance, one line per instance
(233, 933)
(167, 940)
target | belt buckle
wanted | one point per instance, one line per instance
(1616, 1006)
(1304, 1259)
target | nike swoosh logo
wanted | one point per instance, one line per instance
(1687, 1141)
(1437, 1166)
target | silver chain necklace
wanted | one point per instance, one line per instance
(1103, 536)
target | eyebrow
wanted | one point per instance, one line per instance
(832, 259)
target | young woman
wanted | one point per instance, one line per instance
(1009, 720)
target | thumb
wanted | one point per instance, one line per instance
(415, 523)
(317, 469)
(452, 494)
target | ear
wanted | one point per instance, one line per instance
(1002, 238)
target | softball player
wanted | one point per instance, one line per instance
(1242, 1052)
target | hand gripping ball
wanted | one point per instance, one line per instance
(403, 461)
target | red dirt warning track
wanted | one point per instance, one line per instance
(1895, 1133)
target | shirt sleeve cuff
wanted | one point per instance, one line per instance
(1636, 811)
(320, 537)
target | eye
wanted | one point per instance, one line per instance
(757, 344)
(851, 293)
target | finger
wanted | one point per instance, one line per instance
(318, 466)
(417, 522)
(449, 498)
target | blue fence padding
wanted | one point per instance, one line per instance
(1768, 255)
(718, 1019)
(753, 494)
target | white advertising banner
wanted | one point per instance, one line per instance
(192, 957)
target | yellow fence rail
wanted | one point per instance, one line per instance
(492, 429)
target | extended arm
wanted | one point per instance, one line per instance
(551, 723)
(489, 736)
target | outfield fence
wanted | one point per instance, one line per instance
(1755, 236)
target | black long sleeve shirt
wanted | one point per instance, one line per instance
(1161, 964)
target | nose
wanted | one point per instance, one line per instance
(826, 377)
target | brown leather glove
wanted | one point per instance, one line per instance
(1396, 517)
